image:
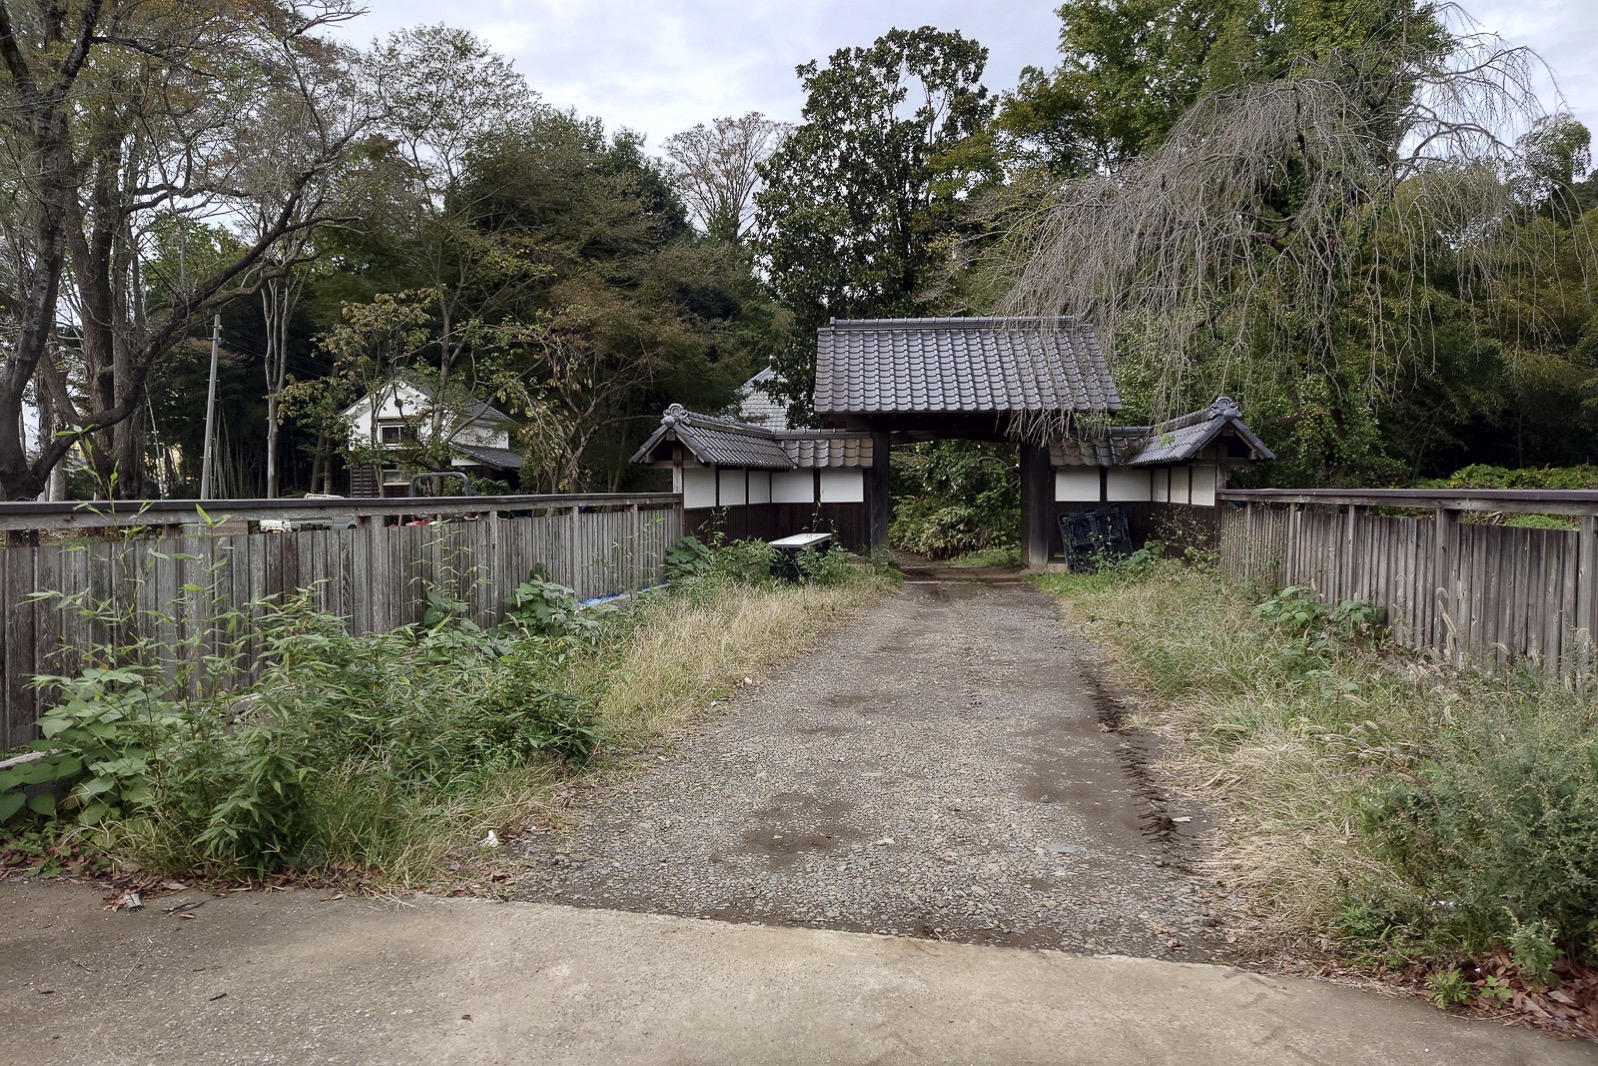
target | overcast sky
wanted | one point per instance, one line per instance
(660, 67)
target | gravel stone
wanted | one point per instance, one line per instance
(949, 766)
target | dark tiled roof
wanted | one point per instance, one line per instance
(961, 365)
(727, 442)
(1176, 441)
(717, 441)
(810, 448)
(1086, 451)
(499, 458)
(1182, 438)
(757, 405)
(475, 410)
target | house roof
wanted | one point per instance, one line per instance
(1184, 437)
(727, 442)
(961, 365)
(1098, 450)
(756, 403)
(473, 411)
(826, 447)
(498, 458)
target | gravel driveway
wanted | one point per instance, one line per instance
(942, 768)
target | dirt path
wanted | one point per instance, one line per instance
(942, 769)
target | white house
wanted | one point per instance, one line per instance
(399, 416)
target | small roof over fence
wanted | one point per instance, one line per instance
(715, 441)
(961, 366)
(1183, 438)
(1177, 440)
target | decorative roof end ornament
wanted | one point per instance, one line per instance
(1225, 406)
(674, 414)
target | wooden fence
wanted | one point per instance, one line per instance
(1485, 594)
(371, 562)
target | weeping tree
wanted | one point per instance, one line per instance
(1255, 247)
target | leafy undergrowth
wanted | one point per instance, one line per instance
(391, 760)
(1382, 814)
(1005, 557)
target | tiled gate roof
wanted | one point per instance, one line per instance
(961, 365)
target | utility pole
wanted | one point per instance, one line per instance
(210, 414)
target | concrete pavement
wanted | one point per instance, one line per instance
(290, 978)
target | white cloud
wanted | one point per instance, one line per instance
(664, 66)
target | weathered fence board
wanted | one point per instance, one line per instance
(204, 593)
(1489, 595)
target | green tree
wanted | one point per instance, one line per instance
(115, 115)
(635, 311)
(1129, 69)
(856, 200)
(447, 100)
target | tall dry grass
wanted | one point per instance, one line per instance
(1351, 776)
(689, 648)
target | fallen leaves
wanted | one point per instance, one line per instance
(126, 901)
(1568, 1008)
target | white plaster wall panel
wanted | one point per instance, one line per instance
(1126, 485)
(760, 486)
(1161, 492)
(1076, 484)
(699, 486)
(1204, 486)
(843, 486)
(793, 486)
(1179, 482)
(733, 493)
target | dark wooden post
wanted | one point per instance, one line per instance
(1037, 500)
(877, 498)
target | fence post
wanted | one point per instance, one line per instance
(1290, 562)
(1586, 575)
(497, 580)
(574, 552)
(1446, 580)
(1349, 566)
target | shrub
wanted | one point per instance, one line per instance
(824, 567)
(388, 724)
(955, 497)
(1497, 829)
(544, 608)
(686, 558)
(747, 562)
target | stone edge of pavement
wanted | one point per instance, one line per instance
(297, 977)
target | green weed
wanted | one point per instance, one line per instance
(1411, 812)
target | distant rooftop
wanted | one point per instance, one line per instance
(758, 403)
